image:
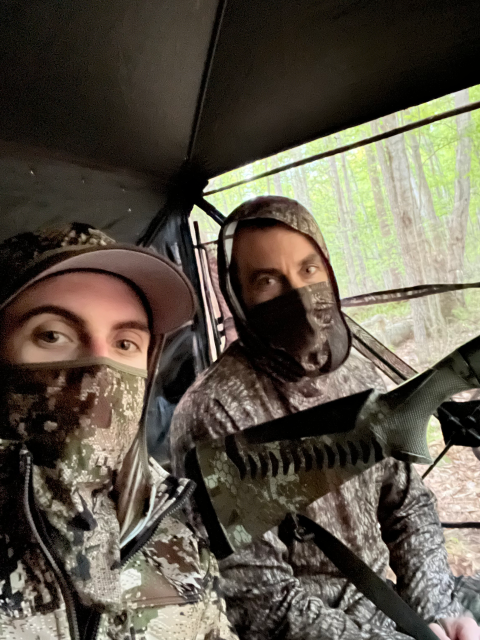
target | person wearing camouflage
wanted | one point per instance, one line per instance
(294, 352)
(93, 540)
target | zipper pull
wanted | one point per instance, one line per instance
(25, 459)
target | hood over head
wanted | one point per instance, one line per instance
(320, 302)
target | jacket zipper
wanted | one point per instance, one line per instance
(174, 507)
(26, 469)
(136, 550)
(95, 622)
(178, 504)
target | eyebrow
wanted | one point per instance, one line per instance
(314, 256)
(132, 324)
(54, 310)
(72, 318)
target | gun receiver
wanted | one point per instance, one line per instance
(248, 482)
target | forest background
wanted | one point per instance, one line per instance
(400, 212)
(396, 213)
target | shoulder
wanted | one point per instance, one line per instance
(232, 364)
(224, 383)
(356, 374)
(220, 402)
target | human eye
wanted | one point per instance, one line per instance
(314, 272)
(131, 343)
(266, 282)
(52, 337)
(127, 346)
(311, 269)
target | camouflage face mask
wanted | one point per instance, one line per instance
(78, 420)
(305, 325)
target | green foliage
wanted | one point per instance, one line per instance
(390, 310)
(384, 231)
(369, 229)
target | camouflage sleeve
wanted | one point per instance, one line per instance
(216, 625)
(263, 596)
(264, 599)
(413, 533)
(184, 432)
(194, 421)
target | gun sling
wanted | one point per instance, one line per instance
(367, 581)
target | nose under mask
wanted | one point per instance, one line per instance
(82, 415)
(306, 324)
(78, 420)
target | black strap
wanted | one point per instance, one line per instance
(405, 293)
(366, 580)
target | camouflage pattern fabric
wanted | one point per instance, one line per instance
(78, 422)
(303, 328)
(91, 533)
(19, 253)
(386, 516)
(169, 589)
(324, 299)
(469, 594)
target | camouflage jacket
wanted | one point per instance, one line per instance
(387, 516)
(169, 580)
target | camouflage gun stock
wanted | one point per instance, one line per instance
(249, 481)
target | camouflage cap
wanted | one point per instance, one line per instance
(29, 257)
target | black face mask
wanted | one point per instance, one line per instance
(305, 324)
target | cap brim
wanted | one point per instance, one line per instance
(167, 290)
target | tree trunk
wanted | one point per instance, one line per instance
(425, 200)
(435, 246)
(396, 169)
(299, 181)
(388, 180)
(373, 249)
(393, 275)
(277, 180)
(268, 179)
(436, 169)
(342, 214)
(351, 228)
(458, 220)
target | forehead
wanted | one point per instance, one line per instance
(75, 289)
(271, 245)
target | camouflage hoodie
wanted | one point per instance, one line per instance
(387, 516)
(93, 542)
